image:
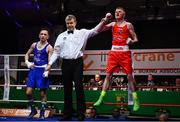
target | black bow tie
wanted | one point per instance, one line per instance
(70, 32)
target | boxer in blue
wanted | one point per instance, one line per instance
(41, 51)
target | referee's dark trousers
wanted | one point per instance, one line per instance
(72, 70)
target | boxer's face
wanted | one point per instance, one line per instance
(43, 35)
(119, 13)
(70, 24)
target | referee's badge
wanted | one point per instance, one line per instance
(64, 38)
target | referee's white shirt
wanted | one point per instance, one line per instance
(71, 46)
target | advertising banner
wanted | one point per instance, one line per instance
(145, 61)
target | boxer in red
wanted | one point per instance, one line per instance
(123, 34)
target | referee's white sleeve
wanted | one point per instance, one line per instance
(53, 58)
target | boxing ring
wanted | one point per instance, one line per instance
(153, 103)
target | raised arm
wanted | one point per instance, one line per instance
(103, 25)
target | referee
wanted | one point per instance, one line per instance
(69, 46)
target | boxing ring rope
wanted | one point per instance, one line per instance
(58, 86)
(36, 101)
(142, 104)
(139, 69)
(125, 86)
(61, 86)
(27, 69)
(135, 52)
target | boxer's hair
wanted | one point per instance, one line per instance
(45, 28)
(119, 7)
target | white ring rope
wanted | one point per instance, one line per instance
(27, 69)
(2, 85)
(27, 101)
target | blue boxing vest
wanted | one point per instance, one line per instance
(40, 56)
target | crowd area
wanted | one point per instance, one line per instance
(150, 83)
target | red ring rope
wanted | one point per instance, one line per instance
(143, 104)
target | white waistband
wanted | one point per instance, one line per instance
(42, 66)
(120, 48)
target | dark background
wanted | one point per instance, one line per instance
(156, 22)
